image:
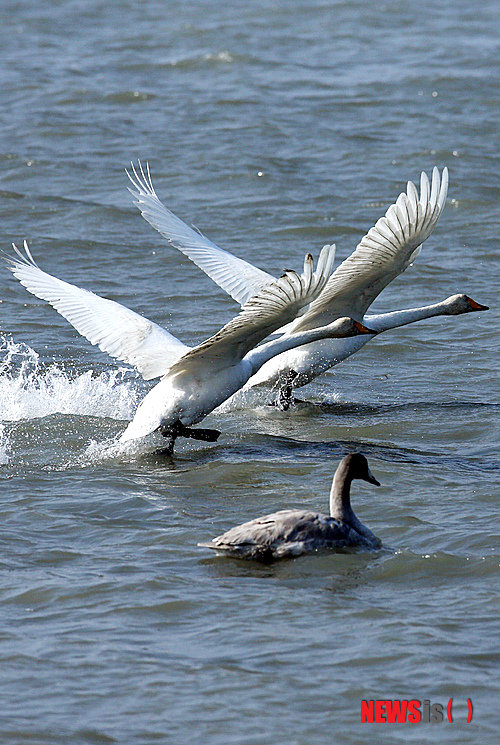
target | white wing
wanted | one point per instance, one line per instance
(385, 252)
(238, 278)
(112, 327)
(273, 307)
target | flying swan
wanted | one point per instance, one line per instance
(384, 253)
(289, 533)
(194, 381)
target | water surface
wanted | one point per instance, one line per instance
(274, 128)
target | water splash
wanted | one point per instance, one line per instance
(112, 449)
(29, 389)
(4, 446)
(246, 399)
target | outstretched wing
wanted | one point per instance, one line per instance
(385, 252)
(112, 327)
(238, 278)
(274, 306)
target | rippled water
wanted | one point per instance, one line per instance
(275, 127)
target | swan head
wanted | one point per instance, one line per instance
(458, 304)
(344, 327)
(357, 467)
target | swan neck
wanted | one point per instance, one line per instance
(386, 321)
(257, 357)
(340, 496)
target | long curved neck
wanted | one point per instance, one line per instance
(340, 503)
(386, 321)
(258, 356)
(340, 495)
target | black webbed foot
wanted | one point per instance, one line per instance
(208, 435)
(179, 430)
(285, 398)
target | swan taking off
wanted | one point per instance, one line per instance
(194, 381)
(289, 533)
(383, 254)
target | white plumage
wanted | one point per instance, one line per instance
(383, 253)
(195, 381)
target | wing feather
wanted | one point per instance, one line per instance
(273, 307)
(238, 278)
(385, 252)
(112, 327)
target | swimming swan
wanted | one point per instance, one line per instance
(289, 533)
(384, 253)
(194, 381)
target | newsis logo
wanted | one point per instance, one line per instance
(410, 712)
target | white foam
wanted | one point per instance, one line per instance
(4, 446)
(29, 389)
(112, 449)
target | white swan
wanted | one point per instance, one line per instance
(384, 253)
(194, 381)
(289, 533)
(300, 366)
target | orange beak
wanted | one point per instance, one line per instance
(476, 306)
(363, 329)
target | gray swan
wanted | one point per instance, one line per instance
(290, 533)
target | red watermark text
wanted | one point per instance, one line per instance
(408, 711)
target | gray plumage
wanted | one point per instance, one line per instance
(289, 533)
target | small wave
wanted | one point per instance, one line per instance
(200, 60)
(29, 390)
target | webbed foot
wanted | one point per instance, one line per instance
(285, 398)
(208, 435)
(179, 430)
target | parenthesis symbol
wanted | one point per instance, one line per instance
(448, 711)
(469, 704)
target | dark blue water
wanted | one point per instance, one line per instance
(274, 128)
